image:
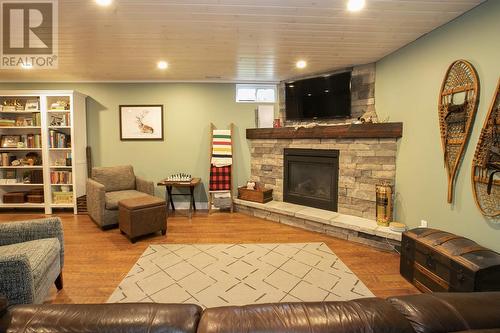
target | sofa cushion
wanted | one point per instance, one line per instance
(361, 315)
(96, 318)
(450, 312)
(115, 178)
(41, 254)
(112, 198)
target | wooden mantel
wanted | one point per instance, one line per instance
(349, 131)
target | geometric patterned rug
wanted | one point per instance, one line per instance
(213, 275)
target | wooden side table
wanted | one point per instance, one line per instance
(168, 192)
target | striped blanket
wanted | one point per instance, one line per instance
(222, 154)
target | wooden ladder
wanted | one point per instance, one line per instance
(211, 193)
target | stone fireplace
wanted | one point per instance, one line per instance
(367, 152)
(311, 177)
(363, 163)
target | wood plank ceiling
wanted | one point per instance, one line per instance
(231, 40)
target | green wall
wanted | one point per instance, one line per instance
(407, 88)
(188, 111)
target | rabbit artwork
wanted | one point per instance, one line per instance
(142, 127)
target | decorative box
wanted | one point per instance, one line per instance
(261, 195)
(14, 197)
(35, 198)
(36, 191)
(62, 197)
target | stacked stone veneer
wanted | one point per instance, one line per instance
(363, 163)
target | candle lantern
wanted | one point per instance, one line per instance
(384, 204)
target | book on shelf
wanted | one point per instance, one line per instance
(32, 120)
(37, 119)
(61, 177)
(60, 105)
(59, 140)
(31, 140)
(7, 181)
(9, 108)
(7, 122)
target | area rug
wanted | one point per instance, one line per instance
(236, 274)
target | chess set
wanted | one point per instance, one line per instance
(179, 177)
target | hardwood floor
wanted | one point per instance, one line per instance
(96, 261)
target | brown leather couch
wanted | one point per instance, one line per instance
(429, 313)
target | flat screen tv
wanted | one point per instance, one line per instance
(325, 97)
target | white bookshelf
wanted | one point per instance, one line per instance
(51, 155)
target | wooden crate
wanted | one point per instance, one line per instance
(261, 195)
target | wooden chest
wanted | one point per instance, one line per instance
(261, 195)
(438, 261)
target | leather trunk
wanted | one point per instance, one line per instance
(438, 261)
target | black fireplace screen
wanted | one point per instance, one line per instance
(311, 177)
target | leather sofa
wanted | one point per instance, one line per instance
(428, 313)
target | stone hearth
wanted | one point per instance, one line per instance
(342, 226)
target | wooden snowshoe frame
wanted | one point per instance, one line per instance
(486, 162)
(457, 117)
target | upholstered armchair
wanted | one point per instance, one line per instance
(31, 259)
(107, 187)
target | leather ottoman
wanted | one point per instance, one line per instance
(142, 216)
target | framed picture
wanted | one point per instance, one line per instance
(141, 122)
(31, 105)
(10, 141)
(56, 120)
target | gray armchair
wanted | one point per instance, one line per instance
(31, 259)
(107, 187)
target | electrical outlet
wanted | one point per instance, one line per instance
(423, 223)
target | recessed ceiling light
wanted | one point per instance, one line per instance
(301, 64)
(104, 2)
(162, 65)
(355, 5)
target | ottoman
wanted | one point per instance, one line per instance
(142, 216)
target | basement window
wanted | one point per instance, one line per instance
(255, 93)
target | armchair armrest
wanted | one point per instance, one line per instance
(96, 200)
(17, 279)
(25, 231)
(144, 186)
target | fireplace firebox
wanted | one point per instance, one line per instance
(311, 177)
